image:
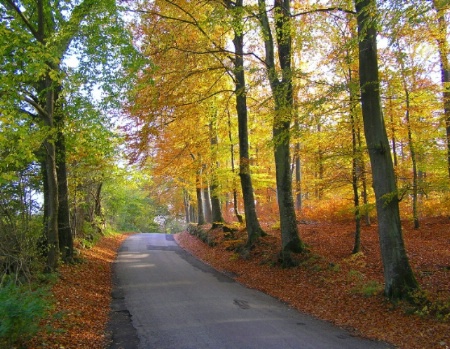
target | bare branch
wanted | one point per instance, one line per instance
(328, 9)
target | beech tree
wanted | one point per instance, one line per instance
(441, 7)
(254, 229)
(398, 275)
(209, 59)
(282, 91)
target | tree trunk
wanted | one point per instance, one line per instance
(254, 230)
(282, 92)
(216, 206)
(186, 206)
(443, 46)
(64, 225)
(355, 169)
(298, 172)
(207, 209)
(52, 207)
(214, 188)
(356, 159)
(200, 213)
(398, 275)
(362, 169)
(235, 199)
(319, 169)
(298, 179)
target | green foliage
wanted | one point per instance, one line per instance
(20, 226)
(422, 306)
(174, 226)
(127, 204)
(355, 275)
(366, 288)
(21, 309)
(369, 288)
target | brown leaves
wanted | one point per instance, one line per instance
(329, 283)
(82, 297)
(333, 285)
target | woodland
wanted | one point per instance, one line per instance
(256, 118)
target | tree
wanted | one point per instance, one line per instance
(441, 6)
(398, 275)
(282, 92)
(207, 61)
(254, 229)
(45, 32)
(37, 38)
(216, 213)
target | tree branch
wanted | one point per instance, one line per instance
(13, 6)
(328, 9)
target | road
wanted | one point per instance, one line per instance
(174, 301)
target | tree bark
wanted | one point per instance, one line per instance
(298, 171)
(200, 214)
(254, 230)
(198, 184)
(235, 199)
(64, 226)
(52, 179)
(443, 46)
(216, 210)
(207, 209)
(398, 275)
(186, 206)
(356, 159)
(282, 92)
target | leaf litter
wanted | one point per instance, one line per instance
(329, 283)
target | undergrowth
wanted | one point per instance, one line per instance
(21, 309)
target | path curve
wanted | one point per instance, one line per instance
(174, 301)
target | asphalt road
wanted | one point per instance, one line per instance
(166, 299)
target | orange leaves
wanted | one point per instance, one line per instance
(82, 297)
(333, 285)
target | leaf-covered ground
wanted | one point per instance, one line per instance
(82, 297)
(330, 284)
(346, 290)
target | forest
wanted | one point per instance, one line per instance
(258, 117)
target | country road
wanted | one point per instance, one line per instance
(175, 301)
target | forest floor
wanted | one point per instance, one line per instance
(332, 284)
(81, 298)
(329, 283)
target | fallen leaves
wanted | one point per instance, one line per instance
(328, 284)
(342, 288)
(82, 297)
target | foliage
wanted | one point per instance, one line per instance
(369, 288)
(128, 204)
(423, 306)
(20, 226)
(21, 309)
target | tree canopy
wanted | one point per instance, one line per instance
(280, 96)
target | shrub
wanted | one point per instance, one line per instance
(21, 310)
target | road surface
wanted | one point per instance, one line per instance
(174, 301)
